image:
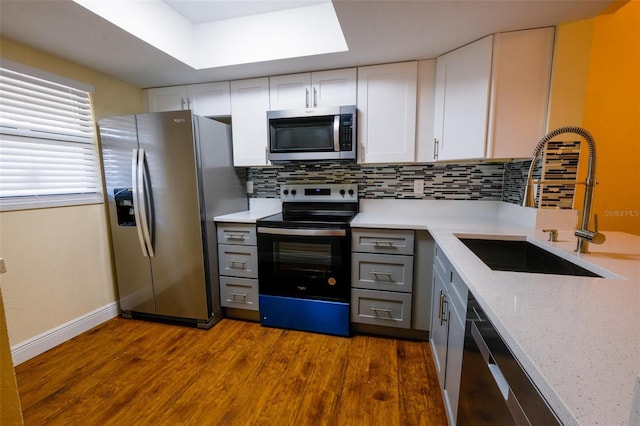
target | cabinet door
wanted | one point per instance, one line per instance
(462, 101)
(249, 105)
(167, 98)
(521, 79)
(209, 99)
(290, 91)
(455, 350)
(387, 107)
(439, 325)
(425, 150)
(334, 88)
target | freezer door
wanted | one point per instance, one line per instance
(133, 269)
(178, 262)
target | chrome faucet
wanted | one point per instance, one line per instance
(584, 235)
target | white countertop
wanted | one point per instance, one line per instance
(577, 337)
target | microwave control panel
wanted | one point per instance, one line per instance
(346, 132)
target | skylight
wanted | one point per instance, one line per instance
(280, 34)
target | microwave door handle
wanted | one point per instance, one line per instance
(336, 133)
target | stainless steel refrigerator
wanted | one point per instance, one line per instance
(167, 175)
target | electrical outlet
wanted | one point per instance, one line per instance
(418, 186)
(249, 187)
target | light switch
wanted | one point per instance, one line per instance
(418, 186)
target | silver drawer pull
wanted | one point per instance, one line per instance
(383, 244)
(384, 310)
(376, 274)
(235, 236)
(233, 264)
(238, 295)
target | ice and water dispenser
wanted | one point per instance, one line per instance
(124, 206)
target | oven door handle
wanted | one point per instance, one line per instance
(303, 232)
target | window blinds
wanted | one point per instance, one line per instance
(48, 153)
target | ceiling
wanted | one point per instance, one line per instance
(376, 31)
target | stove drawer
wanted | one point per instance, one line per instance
(241, 293)
(386, 308)
(238, 261)
(237, 233)
(387, 241)
(382, 272)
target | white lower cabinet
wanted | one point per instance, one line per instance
(448, 313)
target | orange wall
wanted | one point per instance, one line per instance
(612, 114)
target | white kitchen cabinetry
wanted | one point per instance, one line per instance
(448, 313)
(491, 96)
(387, 112)
(207, 99)
(461, 101)
(312, 90)
(238, 266)
(249, 106)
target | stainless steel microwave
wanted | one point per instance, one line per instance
(312, 134)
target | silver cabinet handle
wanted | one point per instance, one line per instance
(435, 148)
(242, 295)
(383, 244)
(443, 303)
(233, 263)
(230, 236)
(381, 273)
(306, 97)
(315, 97)
(385, 310)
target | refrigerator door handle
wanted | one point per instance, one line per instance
(142, 196)
(136, 200)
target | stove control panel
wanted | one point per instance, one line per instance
(319, 192)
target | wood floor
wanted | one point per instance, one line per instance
(131, 372)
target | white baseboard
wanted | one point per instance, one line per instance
(43, 342)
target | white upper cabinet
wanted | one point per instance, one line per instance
(461, 101)
(387, 112)
(207, 99)
(249, 106)
(521, 81)
(312, 90)
(491, 96)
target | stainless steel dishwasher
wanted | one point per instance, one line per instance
(495, 389)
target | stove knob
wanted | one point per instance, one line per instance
(286, 192)
(342, 192)
(293, 192)
(351, 192)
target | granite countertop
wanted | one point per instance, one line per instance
(577, 337)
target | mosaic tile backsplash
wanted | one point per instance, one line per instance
(483, 181)
(501, 181)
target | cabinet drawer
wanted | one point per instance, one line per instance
(241, 293)
(238, 261)
(237, 233)
(389, 241)
(382, 272)
(385, 308)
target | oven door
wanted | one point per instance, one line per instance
(305, 263)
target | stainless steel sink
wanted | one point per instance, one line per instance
(522, 256)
